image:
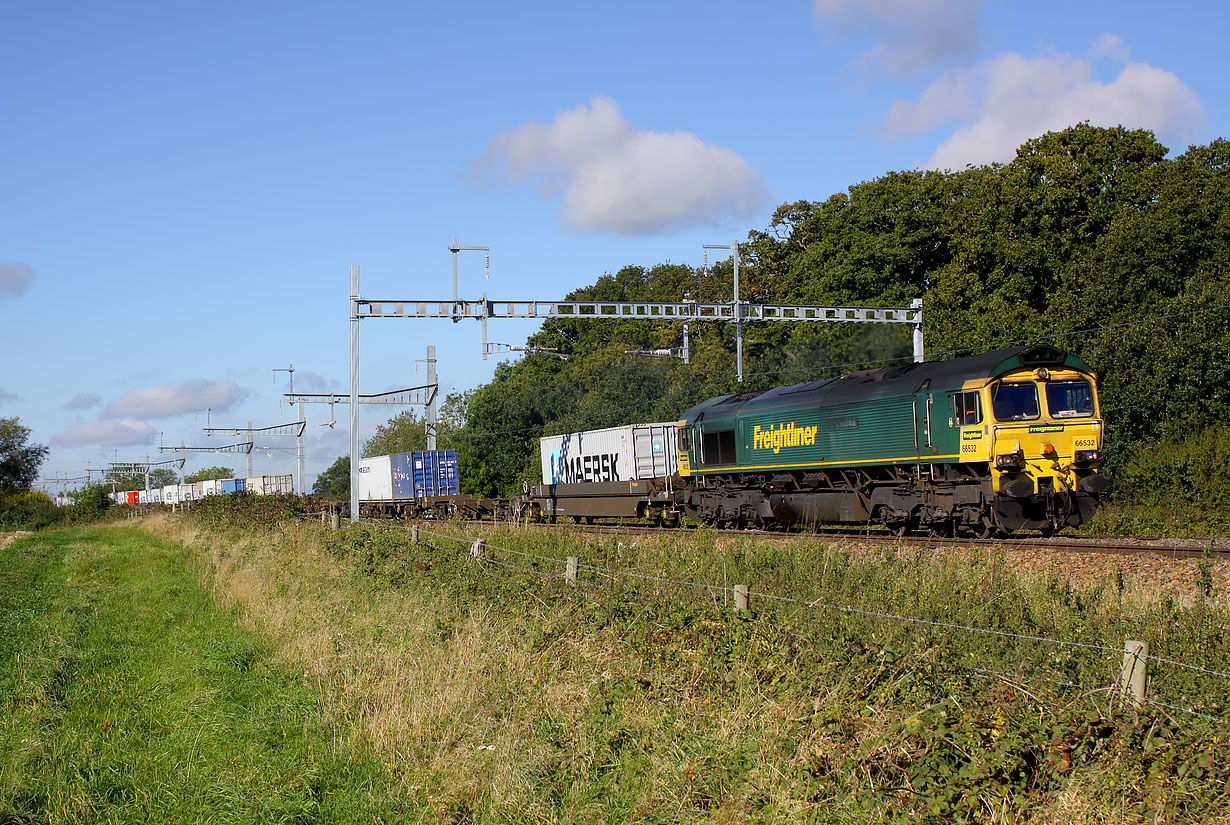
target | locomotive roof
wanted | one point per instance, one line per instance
(903, 379)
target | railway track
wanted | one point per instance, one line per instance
(1218, 548)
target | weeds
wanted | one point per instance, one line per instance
(496, 694)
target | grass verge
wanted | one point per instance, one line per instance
(504, 695)
(128, 695)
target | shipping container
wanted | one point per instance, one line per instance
(629, 453)
(194, 491)
(375, 478)
(269, 485)
(170, 494)
(211, 487)
(424, 473)
(233, 485)
(435, 473)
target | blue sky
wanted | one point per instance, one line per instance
(186, 186)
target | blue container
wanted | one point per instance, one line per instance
(425, 473)
(232, 485)
(402, 465)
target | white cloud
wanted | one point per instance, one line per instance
(1012, 98)
(15, 278)
(176, 399)
(83, 401)
(906, 35)
(123, 433)
(1110, 46)
(5, 395)
(314, 381)
(616, 178)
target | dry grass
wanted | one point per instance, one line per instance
(527, 710)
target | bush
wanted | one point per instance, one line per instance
(1192, 469)
(28, 510)
(247, 509)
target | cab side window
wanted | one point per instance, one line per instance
(966, 408)
(718, 447)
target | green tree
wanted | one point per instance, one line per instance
(334, 483)
(19, 459)
(407, 431)
(209, 473)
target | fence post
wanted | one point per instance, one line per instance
(740, 598)
(414, 534)
(478, 549)
(570, 571)
(324, 517)
(1133, 675)
(336, 520)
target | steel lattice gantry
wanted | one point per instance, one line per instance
(686, 311)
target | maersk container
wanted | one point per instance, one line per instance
(375, 478)
(424, 473)
(629, 453)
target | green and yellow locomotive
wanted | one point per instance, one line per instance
(1001, 441)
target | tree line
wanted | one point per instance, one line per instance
(1090, 238)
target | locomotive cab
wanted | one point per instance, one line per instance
(1043, 444)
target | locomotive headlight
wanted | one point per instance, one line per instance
(1010, 463)
(1087, 456)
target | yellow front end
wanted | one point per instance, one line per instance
(1043, 434)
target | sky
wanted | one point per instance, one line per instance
(184, 187)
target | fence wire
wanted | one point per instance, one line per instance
(711, 588)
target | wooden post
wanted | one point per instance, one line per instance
(324, 517)
(740, 598)
(336, 520)
(478, 549)
(414, 534)
(1133, 676)
(570, 571)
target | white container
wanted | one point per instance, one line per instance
(170, 494)
(376, 478)
(632, 452)
(211, 487)
(270, 485)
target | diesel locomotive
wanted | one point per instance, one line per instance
(997, 442)
(984, 444)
